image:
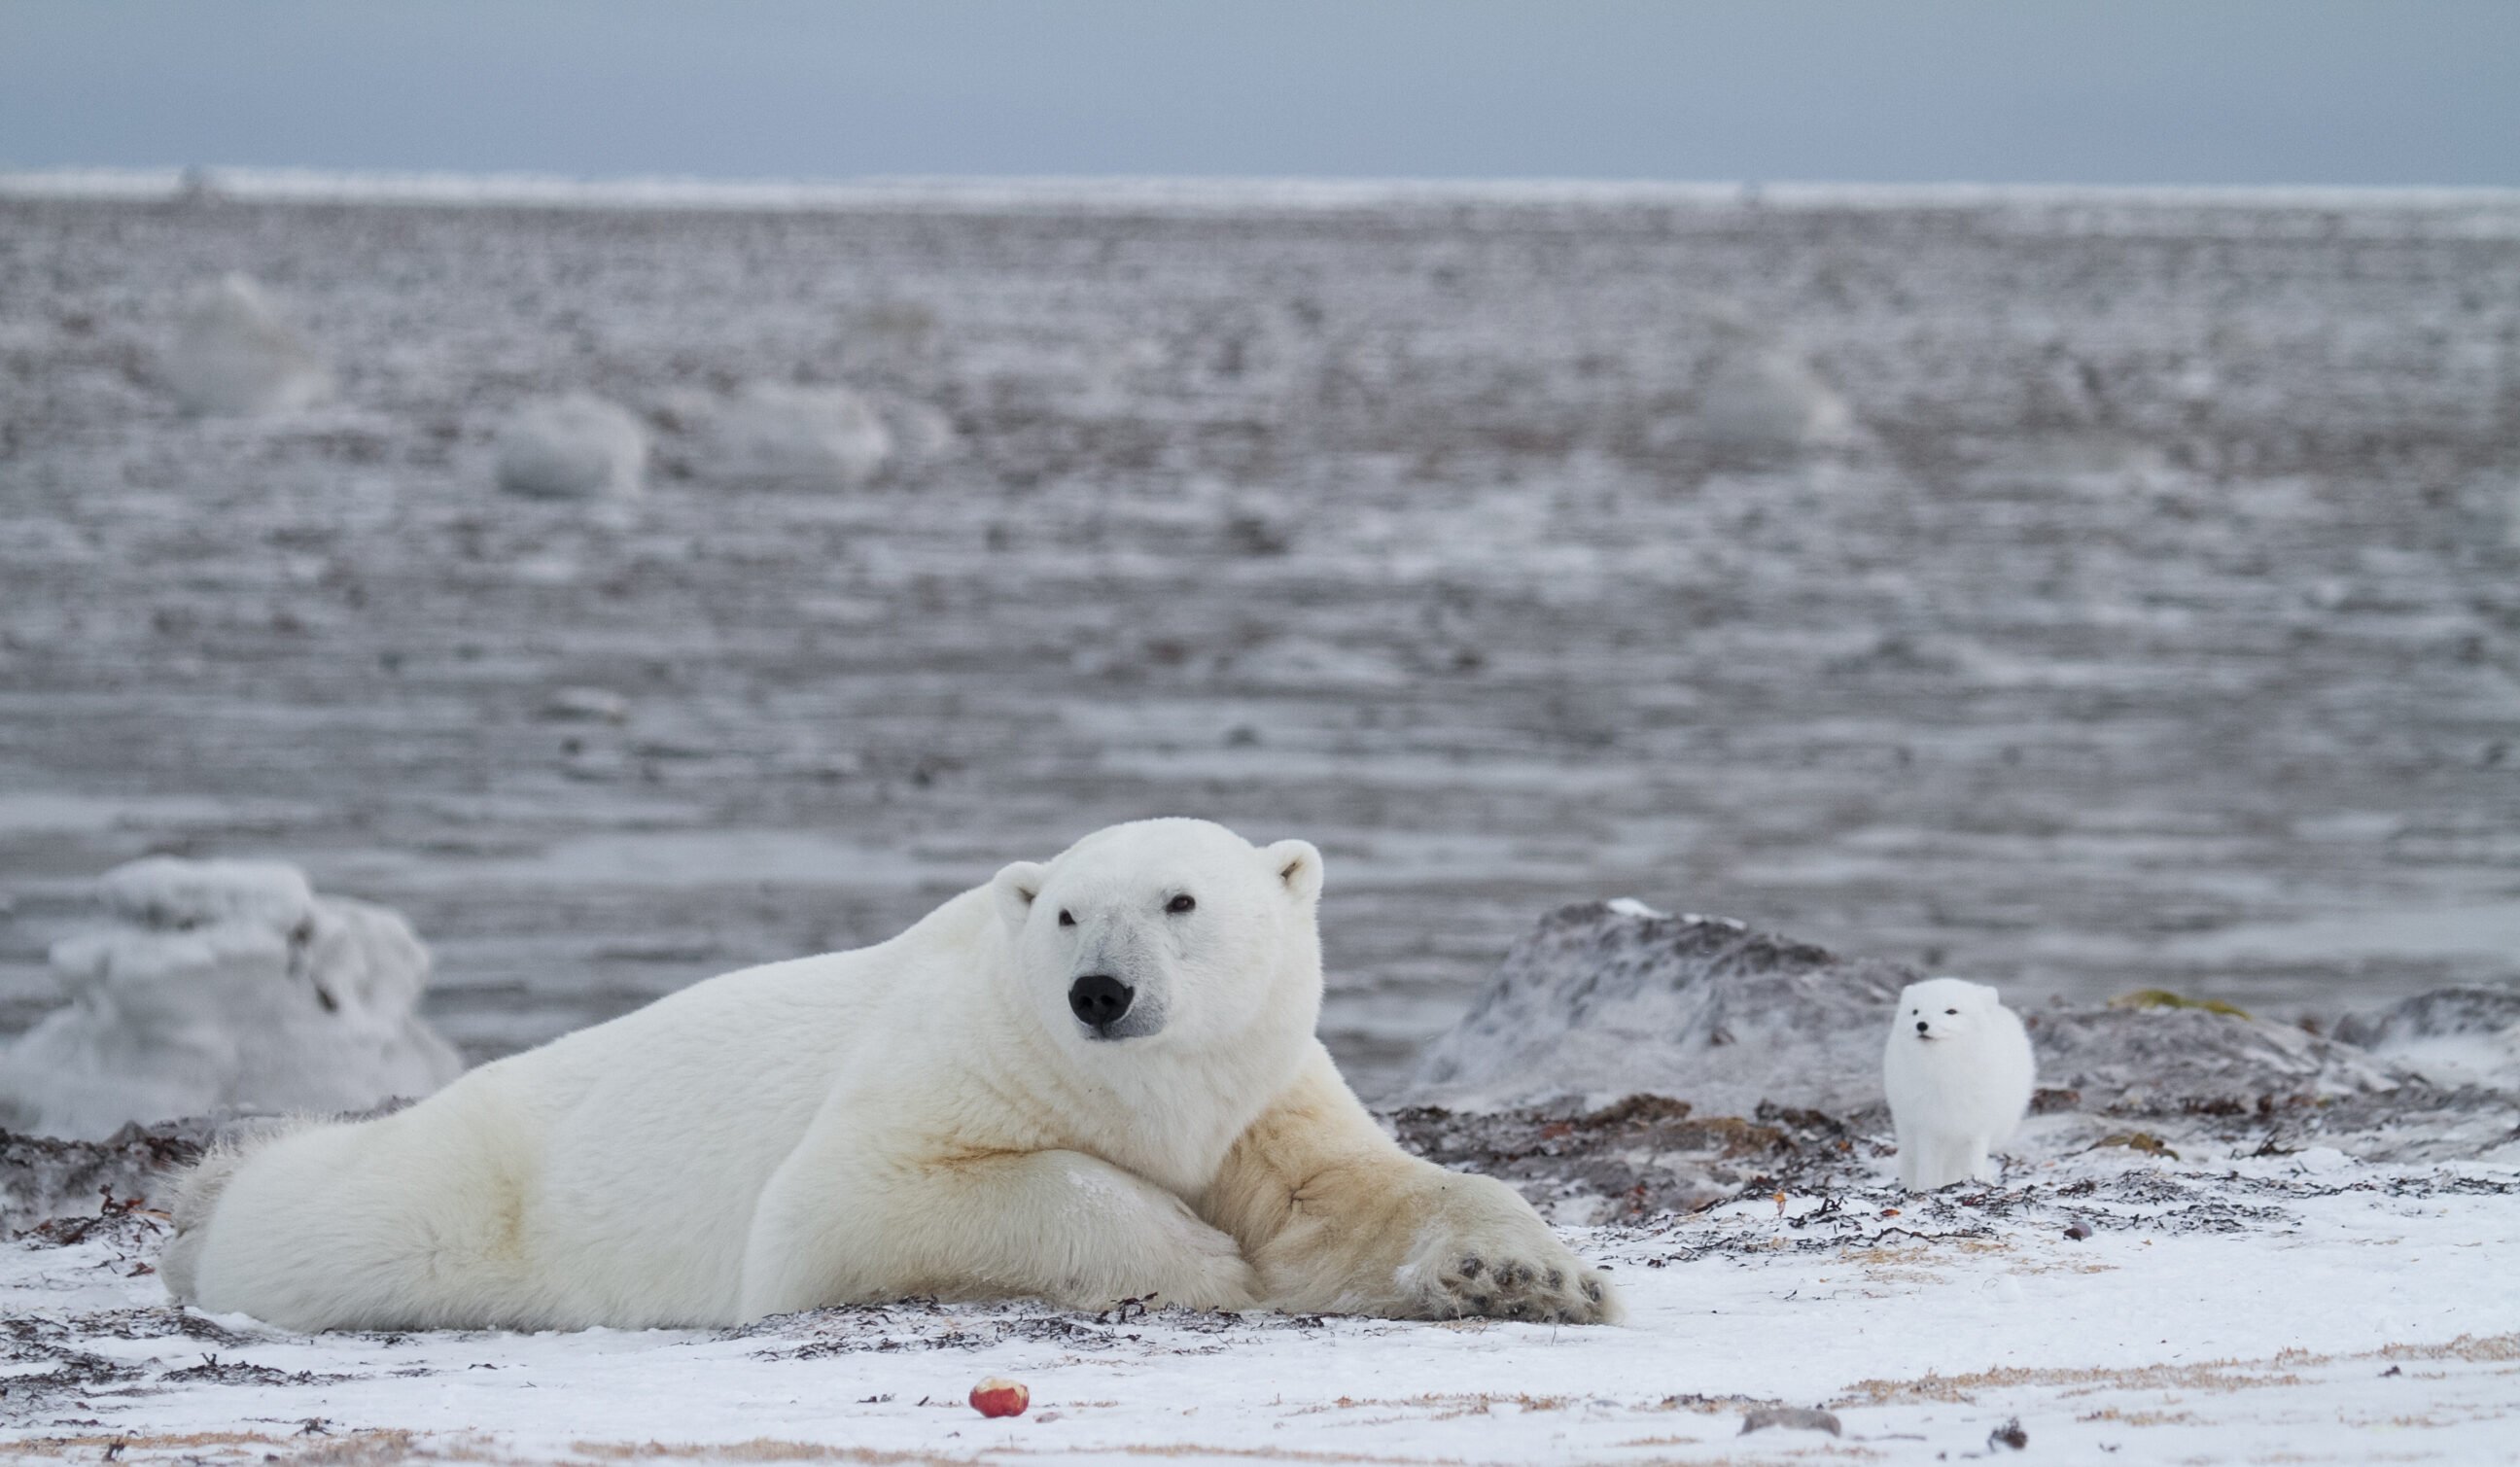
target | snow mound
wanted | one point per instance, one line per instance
(810, 437)
(224, 986)
(2451, 1036)
(1598, 1002)
(1768, 399)
(576, 446)
(236, 352)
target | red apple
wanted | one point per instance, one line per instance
(1000, 1397)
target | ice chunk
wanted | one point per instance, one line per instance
(576, 446)
(236, 352)
(1765, 398)
(812, 437)
(222, 986)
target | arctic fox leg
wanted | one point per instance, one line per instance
(833, 1227)
(1933, 1160)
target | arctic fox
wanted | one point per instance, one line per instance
(1958, 1071)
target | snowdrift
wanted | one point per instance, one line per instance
(220, 987)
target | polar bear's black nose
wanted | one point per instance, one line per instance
(1921, 1025)
(1099, 999)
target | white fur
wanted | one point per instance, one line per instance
(1958, 1073)
(925, 1116)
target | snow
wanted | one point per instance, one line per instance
(236, 352)
(802, 436)
(573, 446)
(224, 985)
(2226, 1309)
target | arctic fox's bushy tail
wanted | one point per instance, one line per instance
(197, 1197)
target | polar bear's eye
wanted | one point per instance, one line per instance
(1950, 1010)
(1181, 904)
(1066, 918)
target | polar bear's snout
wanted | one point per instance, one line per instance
(1099, 1001)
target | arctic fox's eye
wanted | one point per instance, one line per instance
(1181, 904)
(1066, 918)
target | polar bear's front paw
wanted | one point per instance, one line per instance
(1546, 1290)
(1485, 1254)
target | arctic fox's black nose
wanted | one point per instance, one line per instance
(1099, 999)
(1921, 1023)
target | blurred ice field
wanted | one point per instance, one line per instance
(2150, 622)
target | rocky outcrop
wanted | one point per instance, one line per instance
(2166, 1061)
(1604, 1000)
(2451, 1036)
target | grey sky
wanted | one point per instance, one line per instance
(2111, 91)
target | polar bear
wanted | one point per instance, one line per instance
(1086, 1081)
(1958, 1073)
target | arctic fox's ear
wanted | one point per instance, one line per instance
(1298, 866)
(1014, 886)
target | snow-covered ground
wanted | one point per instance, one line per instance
(2236, 1309)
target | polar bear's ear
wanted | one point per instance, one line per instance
(1298, 866)
(1014, 886)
